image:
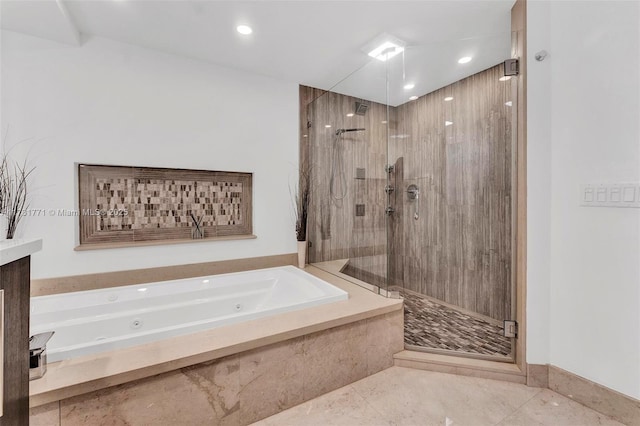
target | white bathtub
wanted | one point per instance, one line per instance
(89, 322)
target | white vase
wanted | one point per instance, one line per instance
(302, 254)
(4, 226)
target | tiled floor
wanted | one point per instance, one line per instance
(432, 325)
(402, 396)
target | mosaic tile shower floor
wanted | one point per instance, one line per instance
(431, 325)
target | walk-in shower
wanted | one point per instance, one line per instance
(415, 196)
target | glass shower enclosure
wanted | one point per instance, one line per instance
(413, 189)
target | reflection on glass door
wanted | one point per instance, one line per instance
(348, 146)
(452, 237)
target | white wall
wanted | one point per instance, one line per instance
(538, 184)
(112, 103)
(589, 90)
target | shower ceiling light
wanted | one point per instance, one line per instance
(448, 99)
(413, 98)
(350, 114)
(464, 59)
(505, 78)
(409, 86)
(384, 47)
(448, 123)
(244, 29)
(386, 50)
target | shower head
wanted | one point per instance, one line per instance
(341, 131)
(361, 109)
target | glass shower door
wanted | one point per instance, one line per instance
(348, 154)
(451, 233)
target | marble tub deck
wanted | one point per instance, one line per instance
(92, 372)
(402, 396)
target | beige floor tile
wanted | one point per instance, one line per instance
(340, 407)
(550, 408)
(416, 397)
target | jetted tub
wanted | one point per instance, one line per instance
(89, 322)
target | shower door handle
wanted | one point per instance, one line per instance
(413, 193)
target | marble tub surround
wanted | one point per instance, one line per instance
(89, 373)
(241, 388)
(401, 396)
(45, 415)
(46, 286)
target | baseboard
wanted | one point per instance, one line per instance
(461, 366)
(621, 407)
(538, 375)
(57, 285)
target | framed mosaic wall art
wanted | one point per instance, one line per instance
(122, 205)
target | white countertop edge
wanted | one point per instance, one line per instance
(12, 250)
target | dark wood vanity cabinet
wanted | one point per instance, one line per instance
(14, 283)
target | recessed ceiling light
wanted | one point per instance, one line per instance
(464, 59)
(448, 99)
(413, 98)
(505, 78)
(205, 281)
(327, 125)
(508, 103)
(142, 289)
(244, 29)
(409, 86)
(350, 114)
(448, 123)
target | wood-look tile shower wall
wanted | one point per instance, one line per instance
(459, 248)
(335, 232)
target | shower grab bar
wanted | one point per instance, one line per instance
(414, 194)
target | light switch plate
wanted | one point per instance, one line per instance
(610, 195)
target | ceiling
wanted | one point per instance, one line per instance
(316, 43)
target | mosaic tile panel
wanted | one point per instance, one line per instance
(228, 198)
(114, 194)
(431, 325)
(158, 203)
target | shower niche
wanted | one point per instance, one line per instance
(414, 192)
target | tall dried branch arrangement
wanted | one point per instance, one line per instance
(14, 200)
(302, 197)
